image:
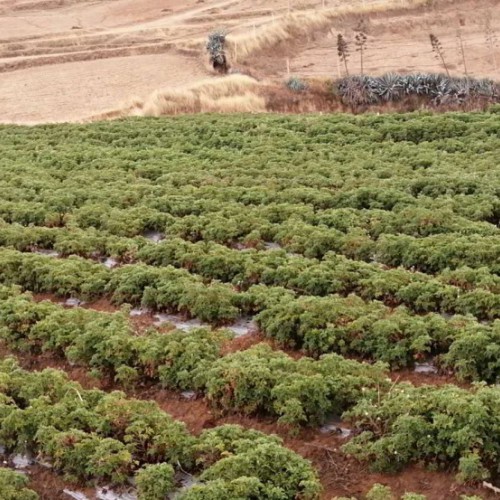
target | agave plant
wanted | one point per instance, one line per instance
(357, 90)
(296, 84)
(389, 87)
(441, 89)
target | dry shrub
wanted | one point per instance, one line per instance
(246, 103)
(229, 94)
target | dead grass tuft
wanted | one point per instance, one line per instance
(230, 94)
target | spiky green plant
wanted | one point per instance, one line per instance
(296, 84)
(440, 89)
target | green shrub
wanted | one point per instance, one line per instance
(155, 481)
(379, 492)
(13, 486)
(295, 84)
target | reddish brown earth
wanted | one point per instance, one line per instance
(340, 475)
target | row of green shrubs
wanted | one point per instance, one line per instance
(460, 291)
(423, 236)
(93, 436)
(255, 381)
(399, 423)
(319, 325)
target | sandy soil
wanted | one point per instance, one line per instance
(65, 60)
(66, 92)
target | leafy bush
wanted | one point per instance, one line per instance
(420, 424)
(155, 481)
(92, 435)
(248, 456)
(379, 492)
(13, 486)
(260, 380)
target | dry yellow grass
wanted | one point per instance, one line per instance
(300, 25)
(229, 94)
(296, 26)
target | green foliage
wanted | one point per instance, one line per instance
(233, 457)
(242, 488)
(434, 425)
(214, 444)
(475, 354)
(13, 486)
(155, 481)
(180, 360)
(81, 455)
(300, 392)
(470, 469)
(379, 492)
(373, 237)
(90, 435)
(106, 342)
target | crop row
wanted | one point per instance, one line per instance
(258, 380)
(372, 216)
(13, 486)
(459, 291)
(431, 253)
(435, 172)
(347, 325)
(397, 423)
(91, 435)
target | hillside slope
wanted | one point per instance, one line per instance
(67, 60)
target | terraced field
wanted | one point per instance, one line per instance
(334, 280)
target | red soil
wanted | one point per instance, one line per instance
(339, 474)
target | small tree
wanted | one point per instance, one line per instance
(216, 47)
(437, 48)
(343, 51)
